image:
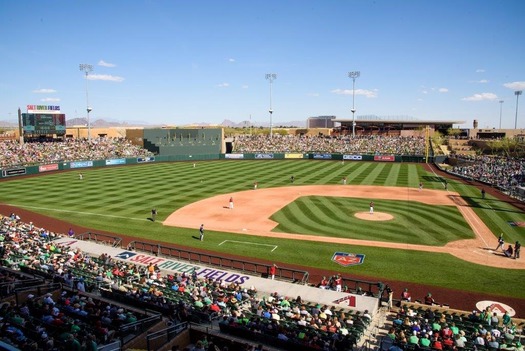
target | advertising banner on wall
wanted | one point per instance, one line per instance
(145, 159)
(388, 158)
(47, 168)
(116, 161)
(353, 157)
(81, 164)
(234, 156)
(264, 156)
(322, 156)
(293, 155)
(13, 172)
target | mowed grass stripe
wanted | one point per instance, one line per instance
(413, 223)
(173, 185)
(360, 174)
(392, 178)
(373, 173)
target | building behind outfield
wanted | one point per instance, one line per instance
(179, 142)
(394, 126)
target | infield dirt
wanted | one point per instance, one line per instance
(253, 209)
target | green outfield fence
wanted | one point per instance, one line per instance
(79, 165)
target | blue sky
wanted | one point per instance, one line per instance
(181, 62)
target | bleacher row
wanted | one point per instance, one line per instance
(420, 327)
(42, 309)
(85, 284)
(371, 144)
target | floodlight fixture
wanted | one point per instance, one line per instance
(353, 75)
(271, 77)
(87, 68)
(517, 93)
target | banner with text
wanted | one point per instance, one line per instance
(47, 168)
(353, 157)
(388, 158)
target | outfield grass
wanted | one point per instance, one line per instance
(119, 200)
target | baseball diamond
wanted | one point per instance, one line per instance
(118, 200)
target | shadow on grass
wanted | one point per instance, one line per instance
(433, 179)
(479, 202)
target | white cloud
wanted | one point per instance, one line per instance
(44, 91)
(231, 60)
(424, 91)
(106, 77)
(480, 70)
(223, 85)
(515, 85)
(50, 100)
(106, 64)
(443, 90)
(481, 97)
(363, 92)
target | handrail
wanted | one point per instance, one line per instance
(168, 333)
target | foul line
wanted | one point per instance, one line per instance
(250, 243)
(79, 212)
(446, 188)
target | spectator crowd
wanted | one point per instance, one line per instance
(504, 172)
(68, 319)
(378, 145)
(13, 153)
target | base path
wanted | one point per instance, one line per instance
(253, 209)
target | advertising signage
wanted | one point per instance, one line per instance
(42, 109)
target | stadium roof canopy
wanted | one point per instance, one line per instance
(394, 120)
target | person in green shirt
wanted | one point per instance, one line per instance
(506, 319)
(413, 339)
(73, 343)
(91, 343)
(198, 303)
(454, 328)
(424, 341)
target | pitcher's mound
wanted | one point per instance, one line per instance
(376, 216)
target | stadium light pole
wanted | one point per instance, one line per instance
(271, 77)
(500, 112)
(87, 68)
(353, 75)
(517, 93)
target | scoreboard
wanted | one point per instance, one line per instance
(44, 120)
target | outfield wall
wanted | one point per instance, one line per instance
(181, 142)
(88, 164)
(324, 156)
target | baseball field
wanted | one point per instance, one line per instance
(443, 238)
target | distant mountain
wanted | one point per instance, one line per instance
(8, 124)
(102, 123)
(228, 123)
